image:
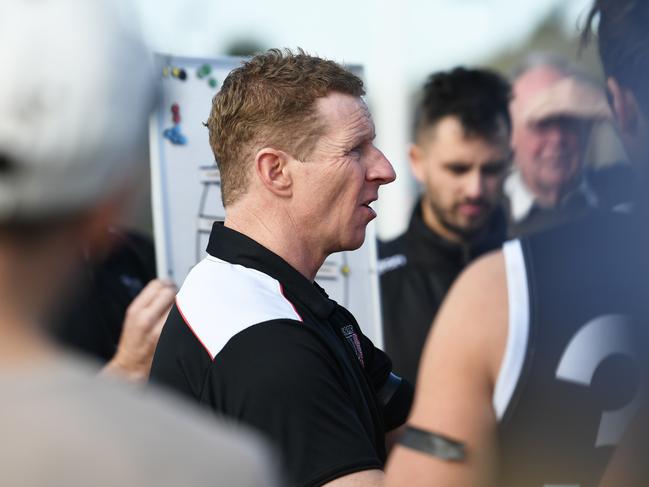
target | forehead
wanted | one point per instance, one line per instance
(343, 113)
(530, 85)
(448, 142)
(534, 81)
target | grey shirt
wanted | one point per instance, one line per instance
(61, 425)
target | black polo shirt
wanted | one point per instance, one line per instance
(253, 339)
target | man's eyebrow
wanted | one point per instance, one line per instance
(456, 164)
(497, 162)
(365, 135)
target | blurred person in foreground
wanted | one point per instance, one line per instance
(553, 111)
(460, 156)
(69, 122)
(532, 374)
(116, 313)
(251, 335)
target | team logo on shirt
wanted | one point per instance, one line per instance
(352, 338)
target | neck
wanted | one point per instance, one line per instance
(282, 236)
(21, 341)
(549, 197)
(434, 224)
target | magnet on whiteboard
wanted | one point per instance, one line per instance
(179, 73)
(203, 71)
(174, 135)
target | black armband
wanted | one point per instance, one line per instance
(433, 444)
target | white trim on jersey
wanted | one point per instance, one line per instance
(219, 299)
(518, 328)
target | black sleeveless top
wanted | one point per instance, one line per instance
(577, 385)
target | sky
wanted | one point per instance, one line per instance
(398, 44)
(432, 33)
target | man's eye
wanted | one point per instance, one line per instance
(356, 151)
(457, 170)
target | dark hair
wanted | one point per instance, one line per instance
(623, 41)
(270, 101)
(478, 97)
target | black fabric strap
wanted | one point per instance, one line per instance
(389, 388)
(433, 444)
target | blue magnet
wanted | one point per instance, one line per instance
(174, 135)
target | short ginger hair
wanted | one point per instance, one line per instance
(270, 101)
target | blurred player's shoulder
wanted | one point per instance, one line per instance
(81, 430)
(472, 321)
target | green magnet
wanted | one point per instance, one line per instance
(204, 71)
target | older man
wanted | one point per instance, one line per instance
(553, 111)
(251, 335)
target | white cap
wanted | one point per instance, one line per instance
(569, 97)
(76, 89)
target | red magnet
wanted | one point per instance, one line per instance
(175, 113)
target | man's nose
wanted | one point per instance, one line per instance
(474, 185)
(380, 168)
(555, 134)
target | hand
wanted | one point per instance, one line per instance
(143, 324)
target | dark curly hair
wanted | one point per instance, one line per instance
(623, 41)
(478, 97)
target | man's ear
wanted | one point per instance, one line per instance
(624, 106)
(271, 167)
(416, 155)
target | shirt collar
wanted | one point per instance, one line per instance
(237, 248)
(522, 199)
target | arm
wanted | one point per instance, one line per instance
(367, 478)
(143, 323)
(456, 381)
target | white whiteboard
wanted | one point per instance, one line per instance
(187, 195)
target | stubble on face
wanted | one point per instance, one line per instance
(463, 179)
(464, 231)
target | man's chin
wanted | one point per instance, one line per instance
(353, 243)
(559, 177)
(468, 230)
